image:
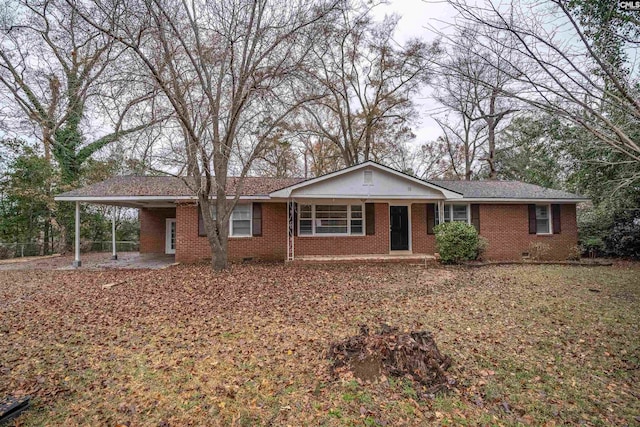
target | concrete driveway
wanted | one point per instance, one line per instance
(91, 261)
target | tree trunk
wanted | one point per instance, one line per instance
(219, 243)
(217, 233)
(492, 151)
(219, 261)
(45, 239)
(367, 140)
(492, 123)
(346, 156)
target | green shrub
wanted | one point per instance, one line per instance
(592, 246)
(594, 225)
(624, 239)
(456, 241)
(483, 245)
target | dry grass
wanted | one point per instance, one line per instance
(185, 346)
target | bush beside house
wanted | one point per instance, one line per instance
(457, 241)
(624, 239)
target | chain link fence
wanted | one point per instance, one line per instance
(18, 250)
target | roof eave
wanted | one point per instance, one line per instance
(103, 199)
(522, 200)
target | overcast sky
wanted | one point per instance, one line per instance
(417, 16)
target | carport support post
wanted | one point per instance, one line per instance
(114, 254)
(76, 262)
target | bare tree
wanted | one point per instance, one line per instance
(60, 77)
(463, 135)
(229, 70)
(367, 81)
(567, 71)
(429, 161)
(478, 94)
(321, 156)
(279, 159)
(67, 85)
(462, 140)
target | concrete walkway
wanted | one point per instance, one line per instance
(93, 261)
(401, 258)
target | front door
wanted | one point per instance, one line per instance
(170, 246)
(399, 223)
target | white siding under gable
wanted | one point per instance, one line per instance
(368, 183)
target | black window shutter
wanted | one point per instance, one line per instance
(257, 219)
(431, 217)
(533, 229)
(201, 230)
(475, 216)
(555, 215)
(370, 218)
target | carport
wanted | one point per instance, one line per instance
(122, 192)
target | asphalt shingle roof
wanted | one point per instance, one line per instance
(173, 186)
(259, 186)
(490, 189)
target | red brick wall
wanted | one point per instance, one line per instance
(421, 242)
(272, 245)
(153, 227)
(507, 229)
(505, 226)
(349, 245)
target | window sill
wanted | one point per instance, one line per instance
(447, 222)
(544, 234)
(231, 237)
(307, 236)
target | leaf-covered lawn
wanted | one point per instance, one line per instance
(186, 346)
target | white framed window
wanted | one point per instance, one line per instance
(459, 213)
(305, 220)
(454, 212)
(331, 220)
(240, 222)
(543, 219)
(357, 220)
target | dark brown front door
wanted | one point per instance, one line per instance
(399, 222)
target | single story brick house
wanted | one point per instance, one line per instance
(367, 209)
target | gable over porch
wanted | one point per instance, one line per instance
(365, 209)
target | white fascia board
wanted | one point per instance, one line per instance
(283, 193)
(120, 198)
(266, 197)
(104, 199)
(286, 192)
(514, 200)
(357, 197)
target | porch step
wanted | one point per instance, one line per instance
(373, 258)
